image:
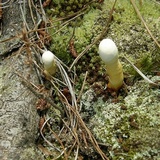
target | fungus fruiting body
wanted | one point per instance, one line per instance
(48, 60)
(109, 54)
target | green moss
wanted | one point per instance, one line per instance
(68, 5)
(60, 44)
(149, 10)
(82, 35)
(144, 63)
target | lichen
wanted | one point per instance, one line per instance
(31, 153)
(133, 132)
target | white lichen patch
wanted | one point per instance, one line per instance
(134, 130)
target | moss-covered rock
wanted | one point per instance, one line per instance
(130, 128)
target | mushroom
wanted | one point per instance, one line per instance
(109, 54)
(48, 60)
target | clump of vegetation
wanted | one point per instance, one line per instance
(64, 8)
(144, 63)
(117, 119)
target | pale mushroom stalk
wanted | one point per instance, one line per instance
(109, 54)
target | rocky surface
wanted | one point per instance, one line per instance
(18, 115)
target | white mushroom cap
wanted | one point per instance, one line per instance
(108, 51)
(48, 59)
